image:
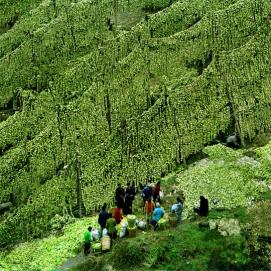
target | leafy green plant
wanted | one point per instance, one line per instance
(153, 6)
(259, 232)
(232, 256)
(50, 252)
(126, 101)
(127, 254)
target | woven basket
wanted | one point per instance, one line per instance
(132, 231)
(162, 223)
(106, 243)
(96, 246)
(173, 220)
(131, 220)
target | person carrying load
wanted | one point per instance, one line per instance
(178, 209)
(103, 216)
(157, 215)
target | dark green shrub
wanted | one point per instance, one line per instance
(232, 255)
(156, 5)
(158, 254)
(259, 234)
(127, 254)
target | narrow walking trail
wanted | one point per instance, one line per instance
(73, 262)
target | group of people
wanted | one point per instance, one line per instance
(107, 221)
(152, 204)
(153, 210)
(149, 191)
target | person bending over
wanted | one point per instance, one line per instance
(157, 215)
(203, 208)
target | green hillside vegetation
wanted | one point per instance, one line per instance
(187, 247)
(90, 98)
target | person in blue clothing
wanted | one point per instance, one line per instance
(178, 208)
(157, 215)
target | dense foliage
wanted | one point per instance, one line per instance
(226, 178)
(47, 253)
(229, 181)
(97, 104)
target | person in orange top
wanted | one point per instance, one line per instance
(118, 214)
(149, 207)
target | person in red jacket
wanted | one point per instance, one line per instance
(156, 192)
(118, 214)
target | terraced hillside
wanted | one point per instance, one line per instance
(94, 99)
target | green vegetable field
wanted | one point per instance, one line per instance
(99, 92)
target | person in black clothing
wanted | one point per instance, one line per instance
(133, 189)
(103, 216)
(146, 193)
(203, 207)
(129, 189)
(127, 209)
(129, 197)
(120, 196)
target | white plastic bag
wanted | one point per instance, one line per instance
(105, 232)
(95, 234)
(141, 225)
(123, 231)
(161, 194)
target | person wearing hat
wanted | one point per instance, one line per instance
(157, 215)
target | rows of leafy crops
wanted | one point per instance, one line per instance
(99, 105)
(227, 177)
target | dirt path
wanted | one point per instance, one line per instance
(73, 262)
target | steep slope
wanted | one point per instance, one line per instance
(97, 104)
(226, 177)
